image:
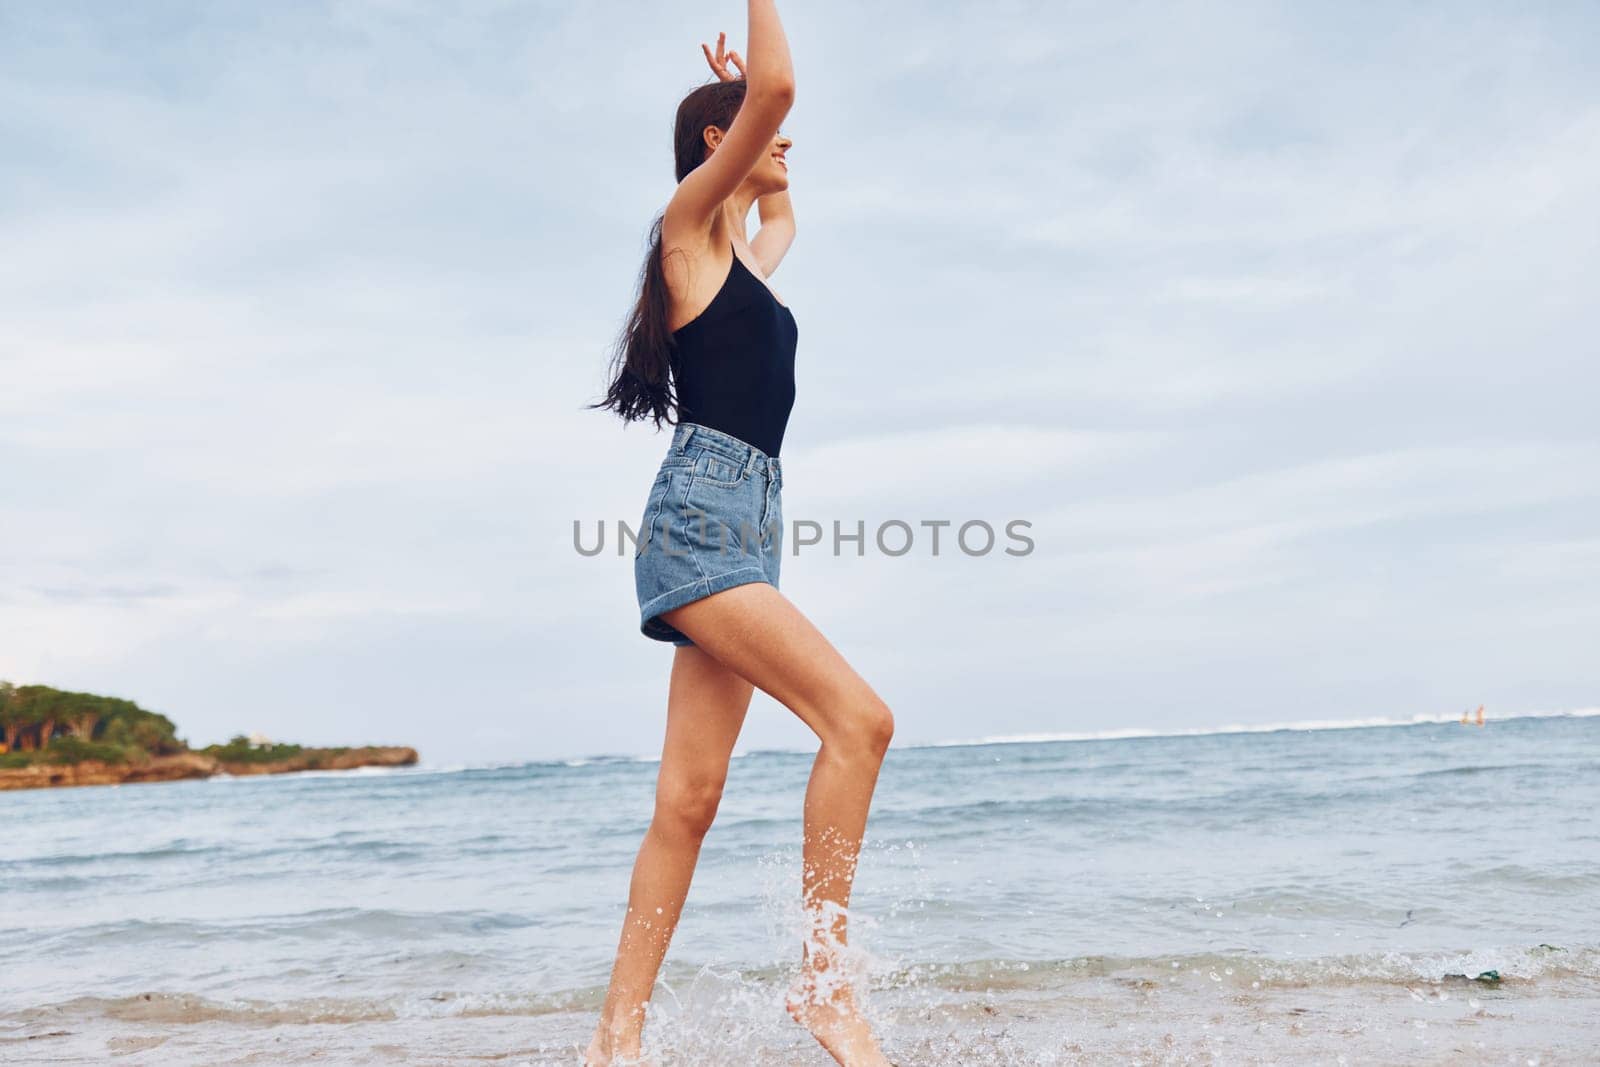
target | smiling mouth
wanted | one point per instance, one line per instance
(782, 162)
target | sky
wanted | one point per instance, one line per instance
(1275, 322)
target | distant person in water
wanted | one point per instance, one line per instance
(711, 346)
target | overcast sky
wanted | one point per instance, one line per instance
(1276, 321)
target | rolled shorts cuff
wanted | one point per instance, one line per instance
(651, 626)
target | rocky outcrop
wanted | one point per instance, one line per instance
(195, 765)
(323, 759)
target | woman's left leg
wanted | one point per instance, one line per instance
(706, 705)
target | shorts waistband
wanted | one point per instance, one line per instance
(741, 452)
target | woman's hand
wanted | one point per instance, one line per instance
(719, 62)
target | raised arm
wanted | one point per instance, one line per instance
(771, 242)
(769, 76)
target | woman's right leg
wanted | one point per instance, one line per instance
(706, 705)
(755, 630)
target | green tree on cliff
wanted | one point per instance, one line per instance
(32, 716)
(8, 732)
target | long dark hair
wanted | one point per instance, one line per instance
(641, 382)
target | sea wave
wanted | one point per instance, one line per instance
(378, 925)
(301, 776)
(1046, 737)
(1126, 733)
(1486, 966)
(170, 1008)
(1527, 968)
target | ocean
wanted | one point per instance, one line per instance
(1393, 893)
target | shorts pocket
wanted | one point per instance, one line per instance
(713, 468)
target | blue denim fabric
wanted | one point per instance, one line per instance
(713, 520)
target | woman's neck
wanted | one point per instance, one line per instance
(736, 210)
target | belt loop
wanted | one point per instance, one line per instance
(750, 462)
(688, 435)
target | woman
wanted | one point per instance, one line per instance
(711, 342)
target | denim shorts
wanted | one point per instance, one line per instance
(713, 520)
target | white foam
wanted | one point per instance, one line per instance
(1250, 728)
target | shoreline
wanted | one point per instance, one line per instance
(185, 766)
(1117, 1017)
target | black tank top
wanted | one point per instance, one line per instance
(733, 364)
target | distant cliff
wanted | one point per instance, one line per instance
(51, 737)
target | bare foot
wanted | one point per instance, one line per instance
(614, 1049)
(833, 1019)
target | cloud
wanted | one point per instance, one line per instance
(1276, 322)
